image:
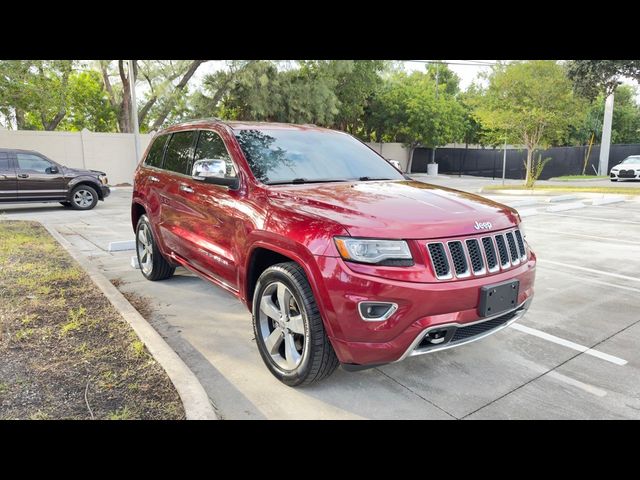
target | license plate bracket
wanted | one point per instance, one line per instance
(498, 298)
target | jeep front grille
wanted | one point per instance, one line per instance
(477, 255)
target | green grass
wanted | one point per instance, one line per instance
(568, 178)
(568, 188)
(121, 414)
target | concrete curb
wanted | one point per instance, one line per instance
(196, 402)
(565, 206)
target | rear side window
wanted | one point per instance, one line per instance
(4, 161)
(178, 154)
(154, 157)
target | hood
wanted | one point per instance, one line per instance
(396, 209)
(81, 171)
(627, 166)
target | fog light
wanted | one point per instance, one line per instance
(376, 311)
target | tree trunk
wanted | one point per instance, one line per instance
(169, 104)
(124, 115)
(19, 119)
(53, 124)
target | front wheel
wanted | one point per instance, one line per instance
(288, 328)
(84, 197)
(152, 264)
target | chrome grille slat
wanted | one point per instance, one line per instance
(439, 260)
(520, 242)
(477, 256)
(459, 258)
(502, 251)
(490, 254)
(513, 249)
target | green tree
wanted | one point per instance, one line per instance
(35, 93)
(264, 90)
(529, 103)
(89, 105)
(625, 127)
(167, 87)
(593, 77)
(406, 109)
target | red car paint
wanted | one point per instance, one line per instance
(215, 232)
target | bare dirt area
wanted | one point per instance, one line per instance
(66, 352)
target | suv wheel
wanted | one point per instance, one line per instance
(288, 328)
(152, 264)
(84, 197)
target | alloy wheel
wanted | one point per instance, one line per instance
(282, 326)
(83, 198)
(144, 244)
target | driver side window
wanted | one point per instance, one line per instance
(33, 163)
(212, 155)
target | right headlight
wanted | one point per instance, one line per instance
(381, 252)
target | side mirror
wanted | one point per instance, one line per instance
(214, 171)
(52, 169)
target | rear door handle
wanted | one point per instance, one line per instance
(186, 188)
(23, 175)
(154, 179)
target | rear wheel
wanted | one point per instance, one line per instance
(614, 179)
(152, 264)
(288, 328)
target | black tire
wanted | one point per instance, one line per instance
(66, 204)
(319, 360)
(614, 179)
(160, 268)
(83, 197)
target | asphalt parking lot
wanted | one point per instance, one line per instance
(574, 355)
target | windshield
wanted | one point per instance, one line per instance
(628, 160)
(307, 156)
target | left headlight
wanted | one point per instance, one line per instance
(382, 252)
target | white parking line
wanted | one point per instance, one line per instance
(600, 219)
(615, 240)
(590, 270)
(577, 383)
(569, 344)
(599, 282)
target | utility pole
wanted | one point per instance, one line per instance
(504, 160)
(134, 110)
(433, 150)
(605, 143)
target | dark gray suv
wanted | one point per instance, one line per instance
(29, 176)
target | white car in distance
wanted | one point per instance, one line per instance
(627, 169)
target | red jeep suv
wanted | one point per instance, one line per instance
(339, 256)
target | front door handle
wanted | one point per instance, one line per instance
(154, 179)
(23, 175)
(186, 188)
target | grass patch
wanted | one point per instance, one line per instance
(568, 188)
(61, 338)
(569, 178)
(122, 414)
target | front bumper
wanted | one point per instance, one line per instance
(627, 176)
(422, 307)
(106, 191)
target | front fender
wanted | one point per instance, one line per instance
(87, 180)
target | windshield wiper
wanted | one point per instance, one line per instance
(305, 180)
(362, 179)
